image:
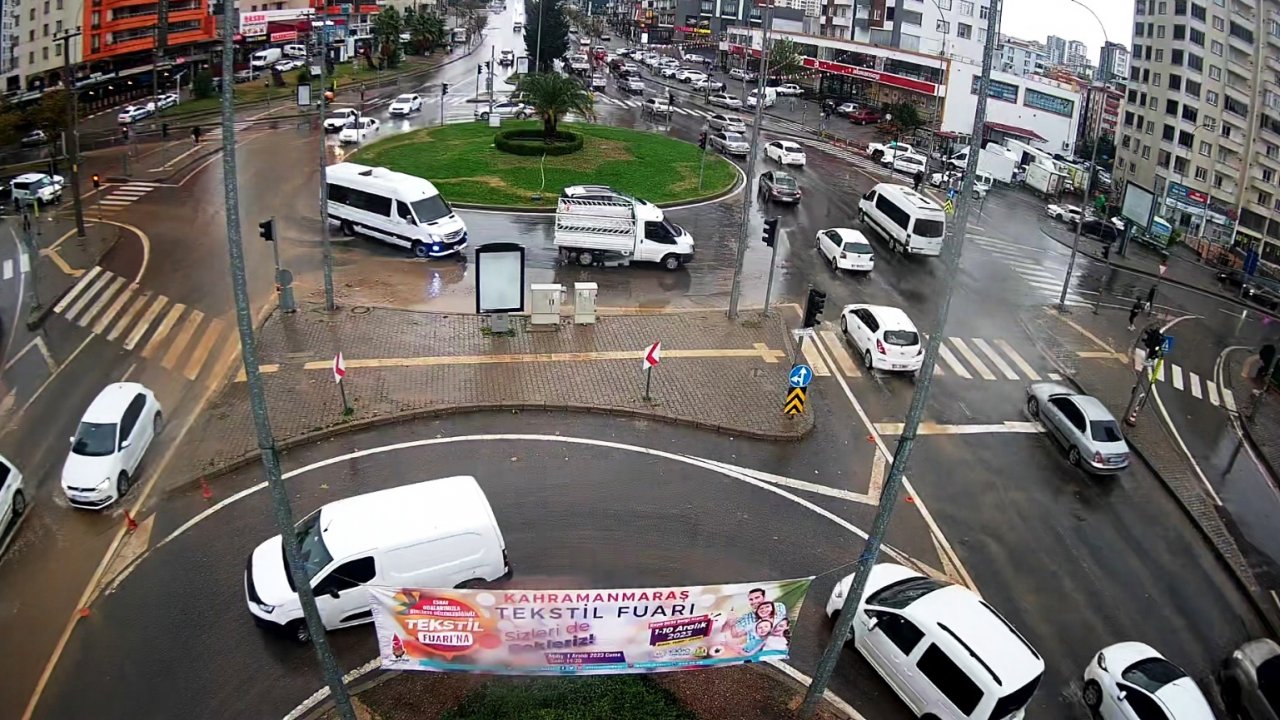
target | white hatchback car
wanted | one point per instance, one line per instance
(13, 501)
(846, 249)
(108, 446)
(1131, 681)
(405, 104)
(884, 336)
(358, 130)
(785, 152)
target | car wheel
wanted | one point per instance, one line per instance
(835, 266)
(419, 249)
(1073, 456)
(122, 485)
(484, 116)
(1092, 695)
(299, 632)
(585, 258)
(157, 424)
(348, 229)
(671, 262)
(844, 325)
(1033, 407)
(866, 359)
(472, 584)
(19, 504)
(877, 155)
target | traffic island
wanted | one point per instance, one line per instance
(464, 163)
(62, 256)
(747, 692)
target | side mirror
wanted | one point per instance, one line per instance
(125, 443)
(1121, 696)
(72, 439)
(872, 621)
(333, 593)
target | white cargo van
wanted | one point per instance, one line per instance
(265, 58)
(909, 221)
(394, 207)
(770, 97)
(433, 534)
(296, 51)
(611, 233)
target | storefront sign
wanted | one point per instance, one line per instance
(693, 30)
(876, 76)
(254, 24)
(284, 36)
(1191, 201)
(585, 632)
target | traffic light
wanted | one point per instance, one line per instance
(813, 307)
(444, 89)
(1153, 341)
(97, 181)
(702, 140)
(770, 231)
(479, 69)
(267, 230)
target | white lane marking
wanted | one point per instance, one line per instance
(147, 318)
(1228, 399)
(950, 359)
(109, 292)
(1195, 385)
(93, 289)
(116, 203)
(930, 428)
(972, 357)
(163, 330)
(201, 352)
(1000, 364)
(836, 347)
(877, 481)
(79, 288)
(1176, 372)
(1023, 365)
(24, 262)
(1213, 392)
(180, 342)
(1173, 430)
(1055, 377)
(814, 359)
(110, 313)
(129, 315)
(8, 269)
(54, 375)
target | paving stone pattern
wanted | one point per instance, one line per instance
(1263, 427)
(741, 395)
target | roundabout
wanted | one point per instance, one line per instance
(469, 170)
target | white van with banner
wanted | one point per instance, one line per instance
(394, 207)
(911, 223)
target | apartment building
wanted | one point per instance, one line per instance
(1201, 121)
(1021, 57)
(1077, 54)
(1057, 49)
(1113, 62)
(945, 27)
(1102, 108)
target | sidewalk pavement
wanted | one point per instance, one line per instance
(1078, 344)
(715, 374)
(1263, 424)
(62, 256)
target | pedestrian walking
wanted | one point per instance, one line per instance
(916, 180)
(1134, 311)
(195, 134)
(1151, 299)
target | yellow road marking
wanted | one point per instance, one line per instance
(1082, 331)
(53, 255)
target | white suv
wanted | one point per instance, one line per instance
(37, 187)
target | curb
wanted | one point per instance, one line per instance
(1263, 610)
(36, 321)
(203, 156)
(738, 183)
(285, 444)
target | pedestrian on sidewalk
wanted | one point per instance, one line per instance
(916, 180)
(195, 134)
(1138, 305)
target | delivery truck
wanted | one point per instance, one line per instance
(614, 233)
(1044, 182)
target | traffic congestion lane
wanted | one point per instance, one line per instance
(591, 503)
(1077, 563)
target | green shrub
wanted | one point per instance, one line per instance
(530, 141)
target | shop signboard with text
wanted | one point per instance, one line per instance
(877, 76)
(254, 24)
(585, 632)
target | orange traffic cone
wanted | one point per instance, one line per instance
(205, 492)
(129, 523)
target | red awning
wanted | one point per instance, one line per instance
(1015, 131)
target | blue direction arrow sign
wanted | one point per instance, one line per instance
(800, 376)
(1168, 344)
(951, 193)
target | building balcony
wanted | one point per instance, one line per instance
(1232, 144)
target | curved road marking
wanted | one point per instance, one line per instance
(1168, 422)
(687, 459)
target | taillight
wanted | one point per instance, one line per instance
(880, 347)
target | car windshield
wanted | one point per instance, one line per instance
(857, 248)
(94, 439)
(430, 209)
(1015, 701)
(339, 116)
(904, 592)
(792, 149)
(929, 228)
(311, 548)
(404, 99)
(733, 138)
(784, 181)
(1152, 674)
(1105, 431)
(902, 338)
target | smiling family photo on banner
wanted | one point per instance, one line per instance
(554, 632)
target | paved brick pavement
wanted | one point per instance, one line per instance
(401, 362)
(1111, 382)
(1262, 426)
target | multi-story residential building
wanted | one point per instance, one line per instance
(945, 27)
(1113, 63)
(8, 36)
(1077, 54)
(1201, 119)
(1102, 107)
(809, 7)
(1021, 57)
(1057, 49)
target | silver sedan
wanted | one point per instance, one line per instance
(1083, 426)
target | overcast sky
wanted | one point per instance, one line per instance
(1038, 19)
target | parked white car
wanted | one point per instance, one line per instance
(13, 499)
(1131, 681)
(728, 123)
(909, 164)
(405, 104)
(167, 100)
(785, 152)
(285, 66)
(694, 57)
(1069, 214)
(504, 109)
(132, 113)
(724, 100)
(846, 249)
(885, 152)
(339, 118)
(789, 89)
(41, 188)
(884, 336)
(669, 71)
(359, 130)
(109, 444)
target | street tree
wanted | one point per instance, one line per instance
(426, 31)
(553, 96)
(554, 32)
(476, 23)
(387, 27)
(202, 85)
(906, 116)
(10, 122)
(785, 60)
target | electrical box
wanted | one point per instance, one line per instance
(545, 303)
(495, 121)
(584, 303)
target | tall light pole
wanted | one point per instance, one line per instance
(326, 250)
(1088, 185)
(253, 380)
(747, 194)
(892, 484)
(71, 137)
(537, 47)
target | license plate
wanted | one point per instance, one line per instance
(899, 366)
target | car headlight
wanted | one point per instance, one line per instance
(268, 609)
(103, 485)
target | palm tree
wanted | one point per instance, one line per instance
(553, 96)
(427, 31)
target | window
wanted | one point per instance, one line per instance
(900, 594)
(895, 214)
(348, 575)
(1137, 29)
(982, 34)
(45, 33)
(1162, 9)
(1159, 31)
(1219, 23)
(59, 5)
(997, 90)
(1131, 98)
(1239, 31)
(1195, 62)
(1211, 97)
(46, 7)
(1162, 158)
(966, 8)
(944, 4)
(1197, 37)
(1271, 151)
(1268, 176)
(1169, 132)
(129, 420)
(1180, 165)
(57, 51)
(1124, 142)
(964, 31)
(1197, 12)
(44, 52)
(983, 12)
(1146, 152)
(360, 200)
(1264, 198)
(1233, 105)
(1190, 114)
(1128, 118)
(1048, 103)
(1193, 88)
(1205, 148)
(1215, 72)
(1202, 174)
(1151, 127)
(57, 27)
(1179, 32)
(950, 680)
(1217, 180)
(1155, 80)
(901, 632)
(1175, 81)
(1144, 706)
(1152, 104)
(944, 27)
(1215, 47)
(1180, 7)
(1159, 55)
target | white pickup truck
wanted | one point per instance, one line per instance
(885, 153)
(606, 233)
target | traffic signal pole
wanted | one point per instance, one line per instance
(771, 239)
(71, 136)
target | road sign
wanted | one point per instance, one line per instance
(800, 376)
(653, 355)
(1168, 344)
(948, 207)
(339, 368)
(795, 402)
(951, 193)
(1163, 268)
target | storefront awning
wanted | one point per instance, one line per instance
(1015, 131)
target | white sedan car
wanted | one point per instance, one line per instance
(884, 336)
(694, 57)
(505, 109)
(1069, 214)
(13, 500)
(1131, 681)
(846, 249)
(910, 164)
(784, 152)
(405, 104)
(108, 446)
(359, 130)
(724, 100)
(132, 113)
(706, 83)
(669, 71)
(167, 100)
(789, 89)
(728, 123)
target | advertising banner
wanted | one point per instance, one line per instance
(585, 632)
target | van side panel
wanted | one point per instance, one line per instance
(444, 562)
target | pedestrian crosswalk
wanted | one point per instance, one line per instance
(1185, 381)
(1042, 270)
(182, 339)
(117, 197)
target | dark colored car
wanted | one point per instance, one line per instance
(1101, 230)
(777, 186)
(865, 116)
(1250, 681)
